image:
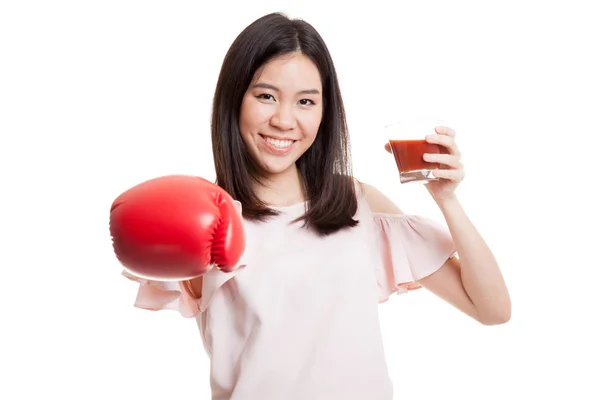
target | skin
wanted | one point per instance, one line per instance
(471, 282)
(284, 101)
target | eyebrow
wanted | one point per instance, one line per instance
(271, 87)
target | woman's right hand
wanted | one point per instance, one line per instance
(176, 228)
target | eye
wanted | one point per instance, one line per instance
(265, 96)
(307, 102)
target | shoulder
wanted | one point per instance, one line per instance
(377, 201)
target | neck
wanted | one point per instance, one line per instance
(283, 189)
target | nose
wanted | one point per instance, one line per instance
(284, 118)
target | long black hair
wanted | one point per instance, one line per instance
(325, 167)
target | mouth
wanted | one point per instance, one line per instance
(278, 145)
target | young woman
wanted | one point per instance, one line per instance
(300, 319)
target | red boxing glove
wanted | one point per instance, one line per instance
(176, 228)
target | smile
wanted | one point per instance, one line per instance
(278, 144)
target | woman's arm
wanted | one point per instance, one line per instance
(473, 284)
(193, 287)
(477, 269)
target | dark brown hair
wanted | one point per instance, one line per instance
(325, 167)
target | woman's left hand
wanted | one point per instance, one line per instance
(451, 171)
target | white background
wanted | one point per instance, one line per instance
(96, 96)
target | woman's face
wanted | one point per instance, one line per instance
(281, 113)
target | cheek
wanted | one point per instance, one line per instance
(252, 115)
(311, 124)
(245, 117)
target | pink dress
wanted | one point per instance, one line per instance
(300, 320)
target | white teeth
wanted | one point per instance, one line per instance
(280, 144)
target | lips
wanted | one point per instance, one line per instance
(278, 145)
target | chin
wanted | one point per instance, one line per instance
(271, 169)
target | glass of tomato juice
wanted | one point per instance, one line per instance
(407, 142)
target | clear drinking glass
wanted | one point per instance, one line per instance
(408, 144)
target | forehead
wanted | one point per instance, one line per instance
(290, 71)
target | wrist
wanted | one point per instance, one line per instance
(448, 203)
(192, 287)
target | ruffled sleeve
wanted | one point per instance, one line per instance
(159, 295)
(410, 247)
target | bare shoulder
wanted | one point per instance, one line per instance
(377, 201)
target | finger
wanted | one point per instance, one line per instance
(444, 130)
(388, 148)
(446, 141)
(454, 175)
(450, 160)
